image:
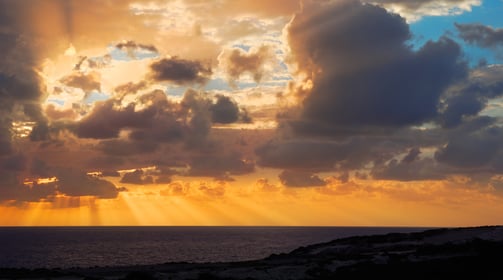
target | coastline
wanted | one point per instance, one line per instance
(451, 252)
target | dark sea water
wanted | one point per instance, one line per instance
(64, 247)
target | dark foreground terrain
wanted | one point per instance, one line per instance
(470, 253)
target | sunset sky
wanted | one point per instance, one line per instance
(251, 112)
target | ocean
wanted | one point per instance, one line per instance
(67, 247)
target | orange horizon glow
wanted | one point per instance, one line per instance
(378, 205)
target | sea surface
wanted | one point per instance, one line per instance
(65, 247)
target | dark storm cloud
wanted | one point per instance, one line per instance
(119, 148)
(5, 135)
(158, 121)
(163, 179)
(107, 120)
(13, 190)
(300, 179)
(105, 162)
(481, 35)
(471, 149)
(220, 166)
(225, 110)
(237, 62)
(137, 177)
(314, 155)
(69, 182)
(196, 107)
(131, 47)
(374, 104)
(421, 169)
(469, 98)
(180, 71)
(16, 88)
(77, 183)
(412, 156)
(20, 84)
(20, 96)
(365, 73)
(86, 82)
(463, 104)
(479, 148)
(110, 173)
(298, 154)
(17, 162)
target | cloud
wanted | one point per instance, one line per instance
(481, 35)
(12, 190)
(423, 169)
(129, 88)
(212, 190)
(107, 119)
(414, 10)
(159, 120)
(256, 62)
(77, 183)
(54, 114)
(302, 154)
(176, 189)
(65, 181)
(110, 173)
(5, 136)
(412, 156)
(132, 47)
(241, 28)
(220, 166)
(312, 155)
(225, 110)
(360, 104)
(96, 62)
(21, 89)
(105, 162)
(87, 82)
(292, 178)
(137, 177)
(364, 74)
(180, 71)
(154, 120)
(468, 98)
(121, 147)
(476, 149)
(15, 163)
(264, 185)
(163, 179)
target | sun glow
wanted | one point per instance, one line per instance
(70, 51)
(38, 181)
(22, 129)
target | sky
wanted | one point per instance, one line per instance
(251, 112)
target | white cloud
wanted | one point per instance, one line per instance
(414, 10)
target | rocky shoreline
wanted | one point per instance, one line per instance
(433, 254)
